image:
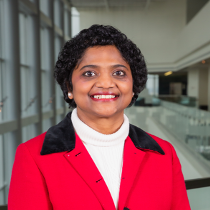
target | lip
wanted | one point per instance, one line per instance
(104, 99)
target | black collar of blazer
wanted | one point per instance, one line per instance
(61, 137)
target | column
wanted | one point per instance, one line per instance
(198, 86)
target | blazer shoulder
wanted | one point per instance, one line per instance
(34, 145)
(165, 145)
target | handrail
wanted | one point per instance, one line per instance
(197, 183)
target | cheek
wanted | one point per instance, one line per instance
(127, 87)
(80, 85)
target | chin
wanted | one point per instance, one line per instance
(107, 112)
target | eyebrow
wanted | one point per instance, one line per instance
(119, 65)
(89, 66)
(95, 66)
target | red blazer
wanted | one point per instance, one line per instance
(64, 177)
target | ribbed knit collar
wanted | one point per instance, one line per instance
(61, 138)
(93, 137)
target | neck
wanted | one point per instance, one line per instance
(104, 125)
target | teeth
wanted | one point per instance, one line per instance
(103, 96)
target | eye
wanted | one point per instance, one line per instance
(119, 73)
(89, 74)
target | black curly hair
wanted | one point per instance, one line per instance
(99, 35)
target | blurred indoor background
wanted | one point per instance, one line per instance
(174, 37)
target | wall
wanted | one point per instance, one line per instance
(193, 7)
(161, 32)
(154, 30)
(193, 43)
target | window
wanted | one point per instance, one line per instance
(153, 84)
(20, 72)
(75, 21)
(3, 73)
(2, 183)
(57, 13)
(67, 19)
(59, 93)
(28, 132)
(28, 90)
(47, 96)
(45, 7)
(47, 123)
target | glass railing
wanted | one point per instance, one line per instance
(180, 99)
(148, 100)
(190, 125)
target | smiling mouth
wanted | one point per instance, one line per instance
(104, 97)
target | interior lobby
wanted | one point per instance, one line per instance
(174, 37)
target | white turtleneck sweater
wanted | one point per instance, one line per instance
(105, 150)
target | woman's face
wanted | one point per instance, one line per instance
(102, 82)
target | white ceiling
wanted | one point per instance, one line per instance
(112, 3)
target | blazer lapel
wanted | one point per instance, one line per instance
(136, 144)
(81, 161)
(132, 160)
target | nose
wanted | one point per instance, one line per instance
(105, 80)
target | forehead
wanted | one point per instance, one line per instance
(107, 53)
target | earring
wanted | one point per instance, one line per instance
(133, 94)
(69, 95)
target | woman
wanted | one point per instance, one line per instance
(94, 159)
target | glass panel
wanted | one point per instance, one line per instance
(28, 96)
(57, 13)
(47, 123)
(45, 49)
(1, 62)
(172, 123)
(47, 76)
(58, 45)
(23, 38)
(59, 118)
(5, 74)
(45, 7)
(28, 132)
(5, 88)
(66, 22)
(190, 125)
(153, 84)
(75, 21)
(59, 93)
(2, 199)
(59, 97)
(9, 147)
(28, 86)
(199, 198)
(2, 25)
(46, 92)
